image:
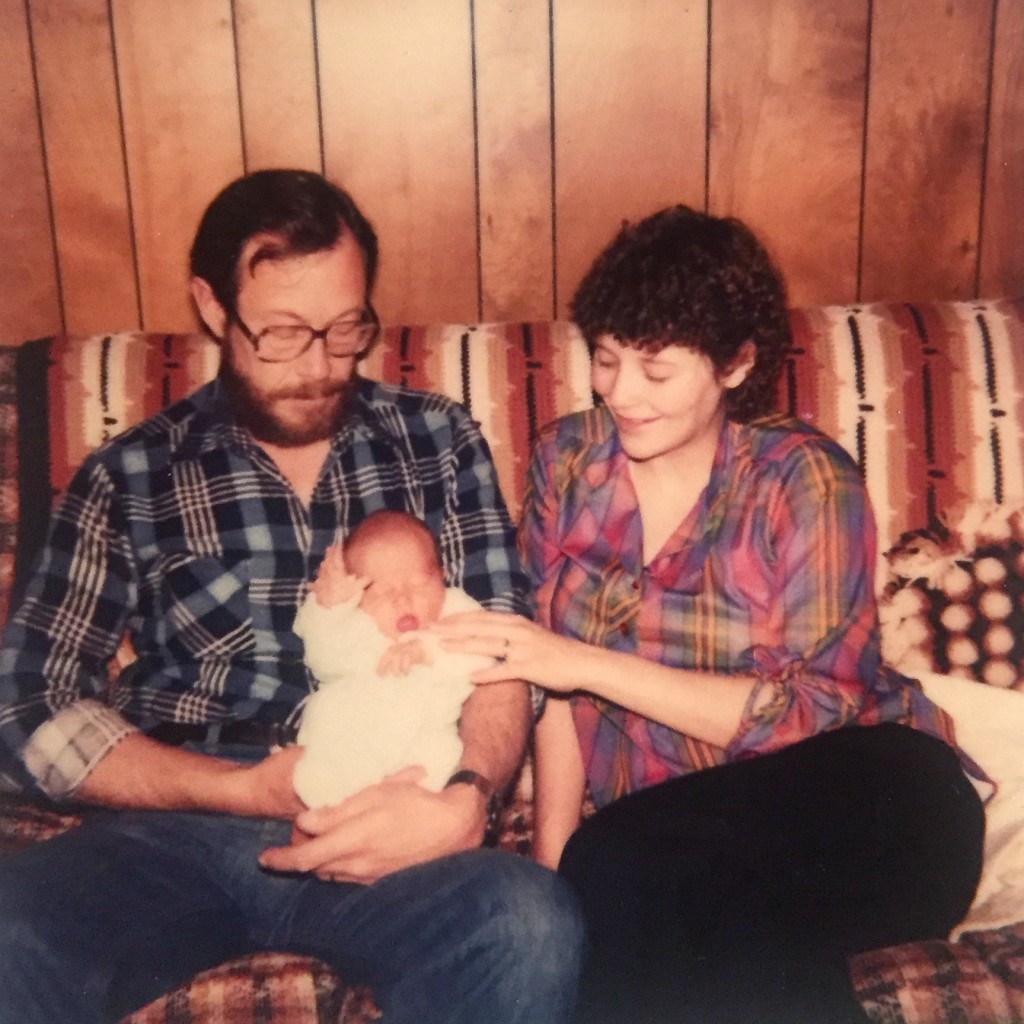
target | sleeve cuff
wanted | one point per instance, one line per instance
(66, 748)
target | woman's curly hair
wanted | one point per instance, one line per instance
(680, 277)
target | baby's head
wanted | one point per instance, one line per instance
(399, 556)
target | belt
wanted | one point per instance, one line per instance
(246, 731)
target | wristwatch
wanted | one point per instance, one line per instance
(484, 786)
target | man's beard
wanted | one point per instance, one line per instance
(253, 409)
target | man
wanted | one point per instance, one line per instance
(197, 531)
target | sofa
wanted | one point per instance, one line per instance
(929, 400)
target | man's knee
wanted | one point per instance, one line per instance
(530, 907)
(538, 935)
(34, 984)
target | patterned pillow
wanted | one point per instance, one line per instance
(955, 600)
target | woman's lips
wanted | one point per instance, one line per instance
(628, 423)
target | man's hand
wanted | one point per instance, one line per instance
(383, 828)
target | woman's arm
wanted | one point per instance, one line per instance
(558, 782)
(705, 705)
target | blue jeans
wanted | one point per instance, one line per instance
(107, 917)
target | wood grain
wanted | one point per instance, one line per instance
(277, 80)
(926, 127)
(629, 120)
(513, 119)
(1001, 266)
(398, 134)
(179, 95)
(787, 115)
(29, 295)
(88, 185)
(497, 146)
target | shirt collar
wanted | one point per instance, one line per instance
(695, 544)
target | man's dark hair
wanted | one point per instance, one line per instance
(680, 277)
(298, 211)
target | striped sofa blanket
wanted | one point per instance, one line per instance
(929, 401)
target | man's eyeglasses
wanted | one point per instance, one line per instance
(282, 343)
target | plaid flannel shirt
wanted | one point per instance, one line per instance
(771, 575)
(183, 533)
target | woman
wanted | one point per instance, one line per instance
(770, 797)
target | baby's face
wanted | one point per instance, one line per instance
(406, 590)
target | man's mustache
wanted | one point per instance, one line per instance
(310, 392)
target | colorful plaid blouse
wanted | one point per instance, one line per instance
(183, 533)
(770, 575)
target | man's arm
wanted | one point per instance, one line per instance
(55, 721)
(140, 772)
(58, 734)
(494, 727)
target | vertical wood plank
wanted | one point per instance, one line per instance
(787, 115)
(78, 95)
(1002, 252)
(926, 119)
(396, 88)
(277, 77)
(180, 101)
(29, 295)
(514, 154)
(629, 120)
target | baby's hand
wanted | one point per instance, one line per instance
(333, 584)
(400, 657)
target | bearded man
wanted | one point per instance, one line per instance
(196, 532)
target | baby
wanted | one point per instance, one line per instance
(388, 696)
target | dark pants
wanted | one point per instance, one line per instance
(736, 894)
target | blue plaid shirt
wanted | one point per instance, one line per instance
(183, 534)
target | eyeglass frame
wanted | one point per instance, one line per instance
(369, 319)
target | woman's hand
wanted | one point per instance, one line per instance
(524, 649)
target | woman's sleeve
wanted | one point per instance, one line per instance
(815, 648)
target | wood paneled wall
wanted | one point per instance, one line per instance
(875, 144)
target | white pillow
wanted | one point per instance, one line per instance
(990, 728)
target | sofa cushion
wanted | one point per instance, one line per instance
(926, 398)
(955, 602)
(969, 982)
(274, 987)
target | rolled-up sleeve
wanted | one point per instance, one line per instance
(56, 721)
(816, 645)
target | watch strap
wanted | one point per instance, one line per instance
(486, 788)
